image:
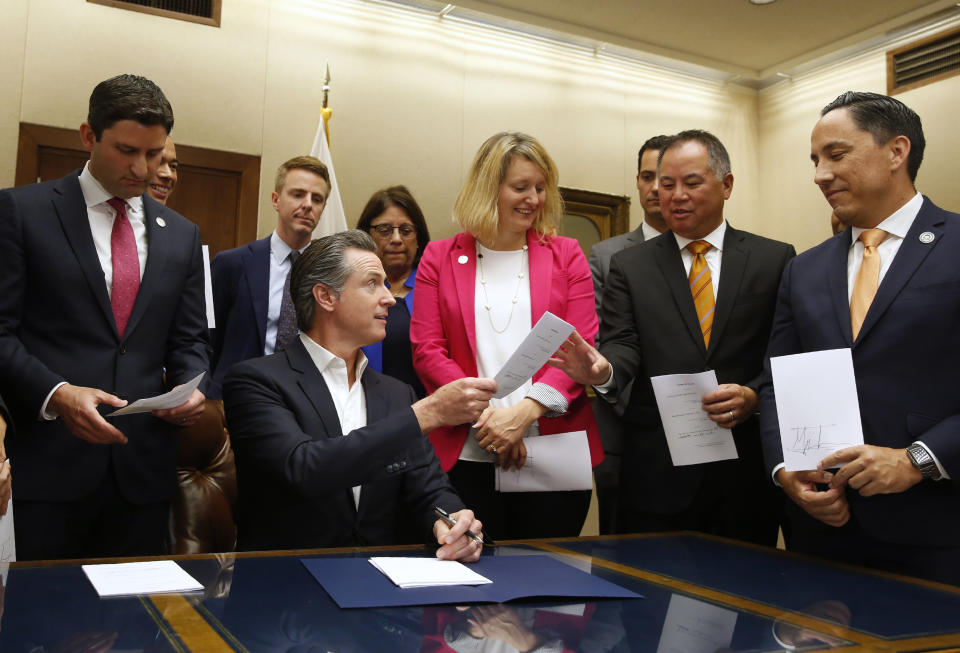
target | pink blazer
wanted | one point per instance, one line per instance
(443, 329)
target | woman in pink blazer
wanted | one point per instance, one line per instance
(478, 295)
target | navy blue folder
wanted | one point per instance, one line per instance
(355, 583)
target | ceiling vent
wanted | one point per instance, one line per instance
(923, 62)
(206, 12)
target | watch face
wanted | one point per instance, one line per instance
(923, 461)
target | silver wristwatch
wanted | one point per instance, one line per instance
(923, 461)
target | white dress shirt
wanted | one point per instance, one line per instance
(896, 226)
(713, 256)
(350, 402)
(649, 233)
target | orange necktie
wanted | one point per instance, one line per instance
(701, 287)
(868, 278)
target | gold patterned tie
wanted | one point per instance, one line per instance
(868, 278)
(701, 287)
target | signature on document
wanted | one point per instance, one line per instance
(814, 438)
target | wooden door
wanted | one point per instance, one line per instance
(215, 189)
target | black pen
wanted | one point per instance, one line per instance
(450, 521)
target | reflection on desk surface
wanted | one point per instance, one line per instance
(701, 595)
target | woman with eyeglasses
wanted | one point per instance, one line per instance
(478, 296)
(395, 221)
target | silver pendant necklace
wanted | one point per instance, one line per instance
(516, 294)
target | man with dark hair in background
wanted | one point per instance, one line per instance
(888, 288)
(251, 283)
(698, 297)
(607, 474)
(330, 452)
(164, 179)
(101, 303)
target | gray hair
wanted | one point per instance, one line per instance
(718, 161)
(324, 262)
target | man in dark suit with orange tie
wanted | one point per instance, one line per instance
(888, 288)
(101, 303)
(699, 297)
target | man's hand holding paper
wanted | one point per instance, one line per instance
(730, 404)
(186, 413)
(829, 506)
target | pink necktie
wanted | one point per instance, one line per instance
(126, 265)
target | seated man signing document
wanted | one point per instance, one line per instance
(330, 453)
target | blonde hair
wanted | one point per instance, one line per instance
(476, 207)
(308, 163)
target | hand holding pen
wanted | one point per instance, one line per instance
(455, 535)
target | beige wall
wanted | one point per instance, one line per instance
(414, 96)
(792, 206)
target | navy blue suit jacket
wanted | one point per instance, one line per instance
(56, 324)
(241, 289)
(905, 360)
(296, 469)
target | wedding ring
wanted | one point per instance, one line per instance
(732, 415)
(492, 449)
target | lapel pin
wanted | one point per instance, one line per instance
(926, 237)
(161, 222)
(463, 259)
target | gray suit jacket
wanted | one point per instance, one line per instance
(611, 430)
(600, 255)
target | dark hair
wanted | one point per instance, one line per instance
(323, 261)
(400, 197)
(309, 163)
(885, 118)
(717, 158)
(655, 143)
(128, 97)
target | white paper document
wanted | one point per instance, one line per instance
(693, 626)
(691, 436)
(554, 462)
(817, 405)
(170, 399)
(129, 578)
(533, 353)
(427, 572)
(208, 288)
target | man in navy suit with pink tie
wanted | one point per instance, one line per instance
(888, 288)
(101, 303)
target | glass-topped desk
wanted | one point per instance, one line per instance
(701, 594)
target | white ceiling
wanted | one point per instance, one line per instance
(734, 36)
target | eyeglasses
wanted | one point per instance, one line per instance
(407, 231)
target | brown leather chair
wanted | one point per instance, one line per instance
(201, 513)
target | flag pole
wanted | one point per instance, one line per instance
(325, 110)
